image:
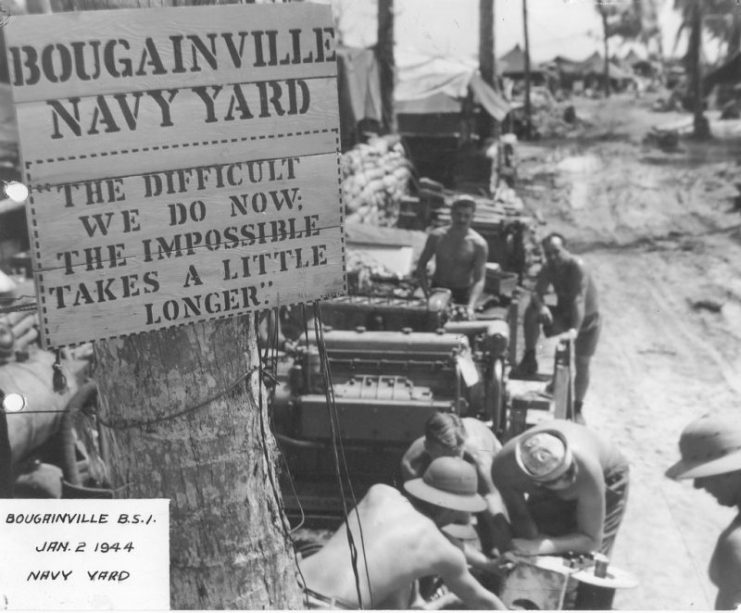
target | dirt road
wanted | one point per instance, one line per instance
(665, 248)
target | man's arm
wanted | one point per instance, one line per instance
(454, 572)
(424, 258)
(579, 288)
(590, 517)
(410, 462)
(729, 572)
(542, 284)
(495, 513)
(512, 495)
(481, 253)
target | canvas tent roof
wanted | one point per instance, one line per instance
(632, 58)
(595, 65)
(567, 65)
(424, 84)
(513, 62)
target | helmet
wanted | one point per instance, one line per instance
(710, 445)
(448, 482)
(543, 455)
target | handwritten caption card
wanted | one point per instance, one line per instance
(84, 554)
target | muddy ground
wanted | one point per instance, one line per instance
(661, 236)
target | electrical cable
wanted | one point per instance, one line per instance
(341, 466)
(279, 451)
(263, 431)
(186, 411)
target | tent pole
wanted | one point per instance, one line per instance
(528, 110)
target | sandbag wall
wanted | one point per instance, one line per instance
(375, 177)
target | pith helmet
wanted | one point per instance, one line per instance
(709, 446)
(448, 482)
(543, 456)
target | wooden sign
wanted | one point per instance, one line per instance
(183, 163)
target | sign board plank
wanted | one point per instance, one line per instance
(44, 172)
(186, 116)
(255, 201)
(155, 203)
(89, 53)
(181, 290)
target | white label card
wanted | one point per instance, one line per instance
(84, 554)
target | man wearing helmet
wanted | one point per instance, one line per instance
(564, 488)
(398, 540)
(447, 434)
(710, 450)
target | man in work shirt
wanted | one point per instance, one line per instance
(460, 257)
(398, 541)
(575, 316)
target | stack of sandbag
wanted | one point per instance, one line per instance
(18, 329)
(375, 177)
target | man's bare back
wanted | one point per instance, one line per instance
(400, 545)
(399, 542)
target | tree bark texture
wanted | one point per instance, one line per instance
(229, 546)
(487, 61)
(386, 64)
(606, 35)
(487, 57)
(701, 129)
(528, 108)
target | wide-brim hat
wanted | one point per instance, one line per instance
(709, 446)
(448, 482)
(544, 455)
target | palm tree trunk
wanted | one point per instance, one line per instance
(216, 464)
(229, 547)
(701, 128)
(606, 35)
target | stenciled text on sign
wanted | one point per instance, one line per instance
(183, 163)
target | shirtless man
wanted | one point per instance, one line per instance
(446, 434)
(401, 542)
(711, 455)
(565, 489)
(460, 257)
(576, 315)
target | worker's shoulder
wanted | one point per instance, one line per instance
(577, 264)
(478, 430)
(476, 237)
(437, 233)
(504, 469)
(382, 492)
(729, 545)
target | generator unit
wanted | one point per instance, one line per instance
(385, 386)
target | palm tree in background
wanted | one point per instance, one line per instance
(724, 24)
(722, 20)
(619, 18)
